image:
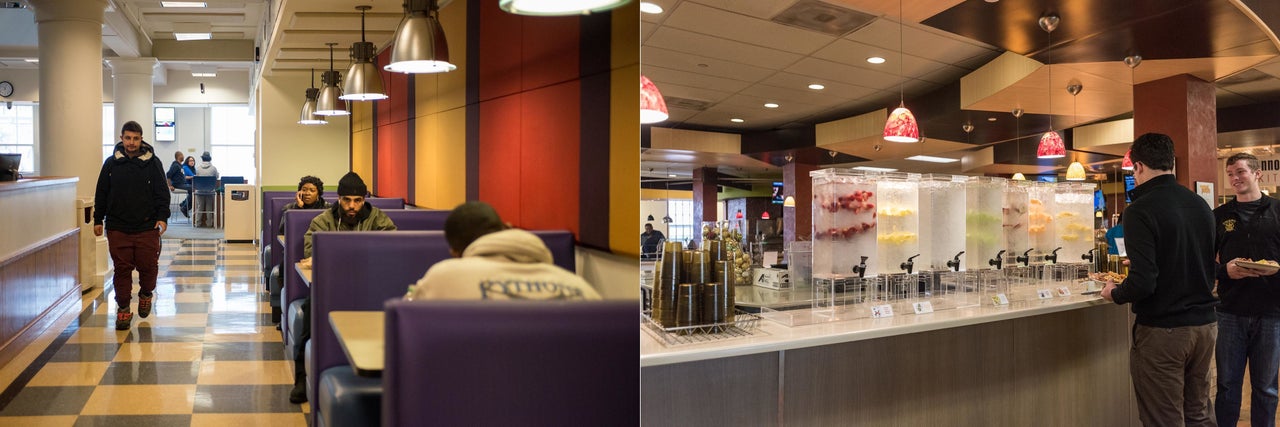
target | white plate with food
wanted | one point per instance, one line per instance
(1264, 266)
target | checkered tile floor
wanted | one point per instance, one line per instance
(207, 355)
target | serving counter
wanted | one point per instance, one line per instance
(1060, 361)
(39, 253)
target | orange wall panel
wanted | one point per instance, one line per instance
(549, 51)
(393, 161)
(500, 151)
(500, 61)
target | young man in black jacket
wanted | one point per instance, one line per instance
(1248, 228)
(1169, 239)
(132, 201)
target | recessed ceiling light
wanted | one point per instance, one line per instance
(32, 60)
(770, 105)
(192, 31)
(933, 159)
(874, 169)
(736, 120)
(183, 4)
(991, 119)
(671, 175)
(649, 7)
(875, 60)
(816, 86)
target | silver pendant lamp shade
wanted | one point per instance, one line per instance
(308, 116)
(420, 45)
(328, 103)
(364, 80)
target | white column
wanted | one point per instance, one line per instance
(70, 33)
(134, 95)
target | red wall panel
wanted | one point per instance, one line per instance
(393, 160)
(500, 43)
(549, 137)
(500, 154)
(550, 51)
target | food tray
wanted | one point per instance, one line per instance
(1259, 267)
(744, 325)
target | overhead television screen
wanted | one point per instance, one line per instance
(1128, 186)
(166, 124)
(778, 198)
(1099, 201)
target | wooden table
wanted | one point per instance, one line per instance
(305, 272)
(362, 339)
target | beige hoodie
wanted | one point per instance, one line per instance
(507, 265)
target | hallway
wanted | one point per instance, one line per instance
(207, 355)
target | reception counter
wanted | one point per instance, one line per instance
(1060, 361)
(39, 253)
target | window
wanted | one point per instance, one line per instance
(17, 134)
(231, 138)
(109, 135)
(681, 227)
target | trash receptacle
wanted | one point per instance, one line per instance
(94, 266)
(240, 212)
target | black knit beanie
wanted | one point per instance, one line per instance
(352, 185)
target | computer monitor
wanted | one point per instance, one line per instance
(1128, 186)
(9, 166)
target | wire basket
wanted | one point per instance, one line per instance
(743, 325)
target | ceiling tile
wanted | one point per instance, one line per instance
(756, 31)
(843, 73)
(919, 42)
(701, 65)
(719, 48)
(834, 90)
(663, 75)
(692, 92)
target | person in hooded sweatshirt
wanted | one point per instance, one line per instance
(496, 263)
(206, 168)
(132, 204)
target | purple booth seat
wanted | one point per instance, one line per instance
(271, 226)
(384, 203)
(417, 219)
(360, 270)
(560, 242)
(296, 223)
(498, 363)
(266, 212)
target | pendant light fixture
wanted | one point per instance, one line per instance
(1051, 145)
(420, 45)
(558, 7)
(364, 80)
(1075, 172)
(1017, 142)
(329, 102)
(653, 108)
(308, 116)
(901, 125)
(666, 218)
(1127, 163)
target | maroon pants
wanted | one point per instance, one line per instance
(134, 251)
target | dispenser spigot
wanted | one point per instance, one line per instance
(1088, 256)
(861, 268)
(955, 262)
(1053, 257)
(1025, 259)
(909, 264)
(998, 260)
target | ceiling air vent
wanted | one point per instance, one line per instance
(823, 18)
(686, 103)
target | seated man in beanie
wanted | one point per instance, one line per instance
(351, 213)
(496, 263)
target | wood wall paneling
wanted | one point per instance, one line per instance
(500, 62)
(550, 51)
(499, 153)
(393, 162)
(736, 391)
(32, 283)
(361, 159)
(549, 158)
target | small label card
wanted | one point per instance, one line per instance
(1063, 291)
(883, 310)
(1044, 294)
(923, 307)
(1000, 299)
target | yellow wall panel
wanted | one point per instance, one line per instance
(452, 172)
(445, 91)
(624, 159)
(361, 153)
(361, 116)
(426, 161)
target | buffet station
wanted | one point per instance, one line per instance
(921, 298)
